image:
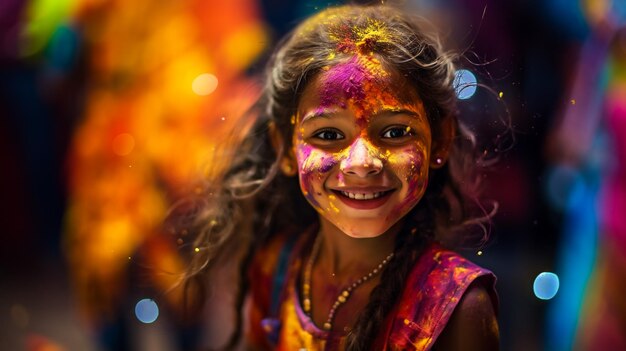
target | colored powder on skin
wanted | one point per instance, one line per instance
(327, 164)
(411, 198)
(309, 193)
(331, 199)
(416, 184)
(363, 82)
(360, 78)
(304, 154)
(371, 151)
(344, 80)
(315, 160)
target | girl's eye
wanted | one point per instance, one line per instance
(329, 134)
(397, 132)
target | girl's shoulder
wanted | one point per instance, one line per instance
(437, 284)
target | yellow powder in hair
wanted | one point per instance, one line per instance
(373, 66)
(375, 32)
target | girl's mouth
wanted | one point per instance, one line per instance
(363, 200)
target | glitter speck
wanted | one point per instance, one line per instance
(573, 101)
(479, 253)
(500, 95)
(197, 249)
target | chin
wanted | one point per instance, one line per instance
(365, 229)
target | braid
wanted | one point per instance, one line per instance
(410, 243)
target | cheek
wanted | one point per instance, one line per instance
(313, 165)
(314, 161)
(411, 168)
(409, 163)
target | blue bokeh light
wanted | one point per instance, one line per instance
(546, 285)
(564, 186)
(63, 49)
(464, 84)
(146, 311)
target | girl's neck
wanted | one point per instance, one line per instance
(342, 256)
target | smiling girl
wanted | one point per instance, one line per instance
(342, 191)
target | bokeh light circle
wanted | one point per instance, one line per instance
(146, 311)
(564, 185)
(464, 84)
(123, 144)
(204, 84)
(546, 285)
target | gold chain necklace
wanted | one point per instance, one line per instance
(345, 293)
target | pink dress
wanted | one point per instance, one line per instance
(433, 289)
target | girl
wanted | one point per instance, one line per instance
(352, 173)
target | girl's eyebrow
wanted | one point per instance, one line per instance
(324, 113)
(397, 111)
(327, 113)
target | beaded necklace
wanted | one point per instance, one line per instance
(345, 293)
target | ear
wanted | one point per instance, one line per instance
(287, 162)
(442, 142)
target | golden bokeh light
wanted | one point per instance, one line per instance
(204, 84)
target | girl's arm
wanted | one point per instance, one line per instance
(473, 324)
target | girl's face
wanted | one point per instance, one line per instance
(362, 144)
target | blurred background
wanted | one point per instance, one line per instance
(109, 108)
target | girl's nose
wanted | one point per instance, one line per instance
(362, 159)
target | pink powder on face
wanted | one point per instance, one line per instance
(361, 150)
(344, 81)
(361, 86)
(327, 163)
(313, 163)
(357, 81)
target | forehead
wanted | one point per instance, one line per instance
(361, 82)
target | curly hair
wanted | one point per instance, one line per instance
(240, 207)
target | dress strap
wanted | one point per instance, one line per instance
(280, 274)
(434, 288)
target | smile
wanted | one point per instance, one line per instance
(362, 196)
(363, 199)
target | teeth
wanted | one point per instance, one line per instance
(362, 196)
